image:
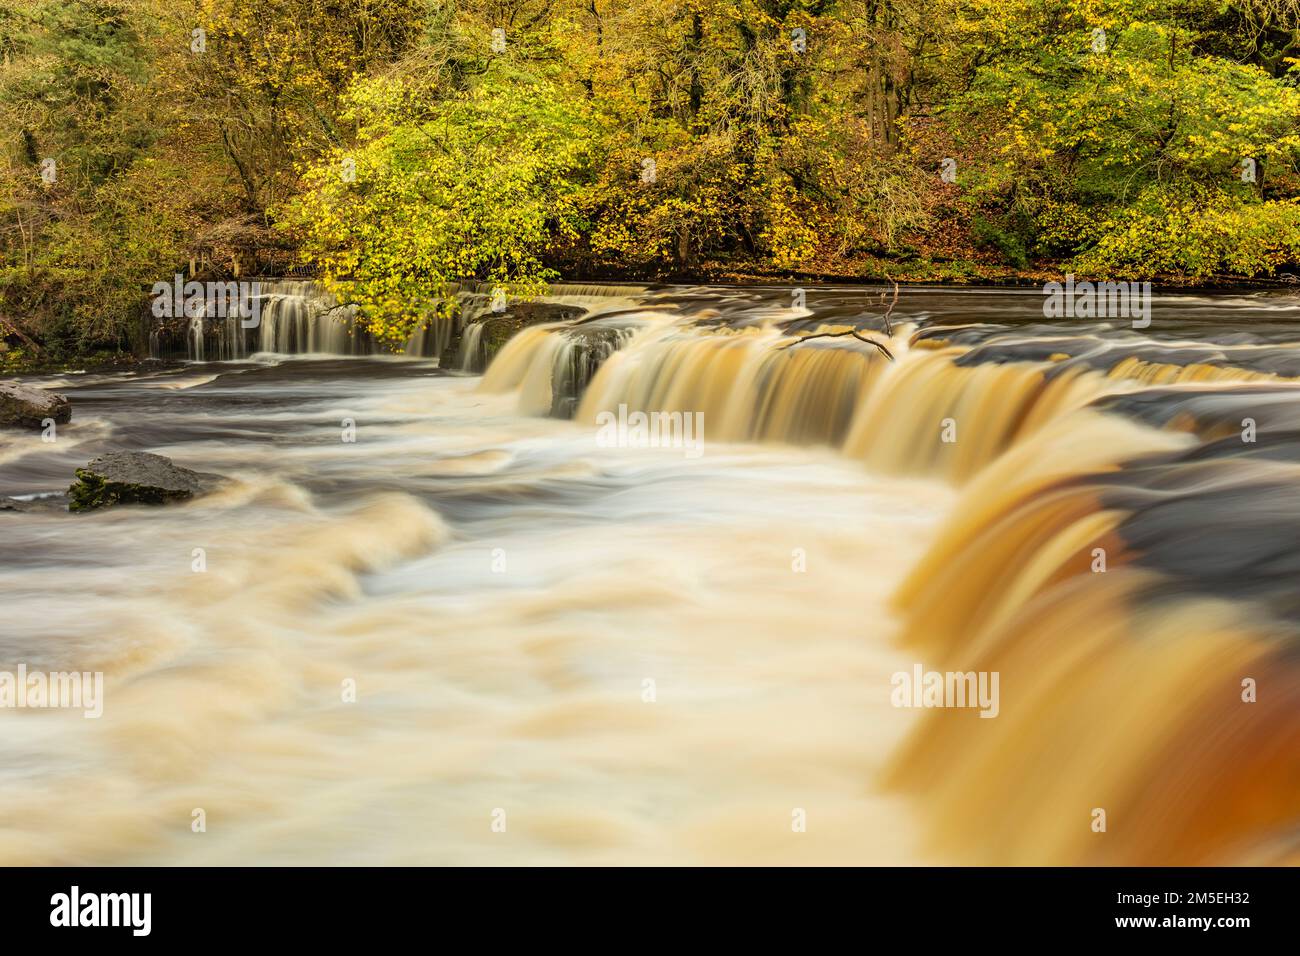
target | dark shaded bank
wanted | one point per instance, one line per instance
(940, 273)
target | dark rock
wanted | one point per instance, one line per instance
(46, 504)
(500, 327)
(28, 407)
(590, 346)
(137, 478)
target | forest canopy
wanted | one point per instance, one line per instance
(393, 147)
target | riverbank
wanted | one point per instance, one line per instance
(940, 273)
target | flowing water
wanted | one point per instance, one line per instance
(434, 618)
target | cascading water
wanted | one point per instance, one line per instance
(1104, 516)
(299, 317)
(1099, 564)
(293, 316)
(747, 387)
(470, 357)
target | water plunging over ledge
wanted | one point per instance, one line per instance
(300, 317)
(1098, 531)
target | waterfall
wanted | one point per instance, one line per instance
(294, 316)
(746, 388)
(1104, 520)
(551, 366)
(984, 410)
(298, 316)
(1120, 555)
(476, 307)
(470, 357)
(1127, 581)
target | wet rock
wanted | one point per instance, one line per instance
(500, 327)
(45, 504)
(588, 348)
(136, 478)
(25, 406)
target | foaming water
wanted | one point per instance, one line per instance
(1119, 585)
(746, 387)
(500, 590)
(1118, 638)
(640, 656)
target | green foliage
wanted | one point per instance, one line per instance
(71, 86)
(990, 235)
(1194, 232)
(512, 165)
(478, 186)
(67, 87)
(1130, 157)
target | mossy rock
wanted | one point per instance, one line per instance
(135, 478)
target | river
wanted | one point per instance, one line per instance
(435, 618)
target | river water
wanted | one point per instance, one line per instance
(435, 618)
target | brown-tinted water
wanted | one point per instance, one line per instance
(683, 653)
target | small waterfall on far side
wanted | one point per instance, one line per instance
(300, 317)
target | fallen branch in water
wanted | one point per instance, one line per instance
(835, 335)
(889, 327)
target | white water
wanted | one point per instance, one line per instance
(477, 690)
(500, 588)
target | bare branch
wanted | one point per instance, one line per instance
(889, 327)
(835, 335)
